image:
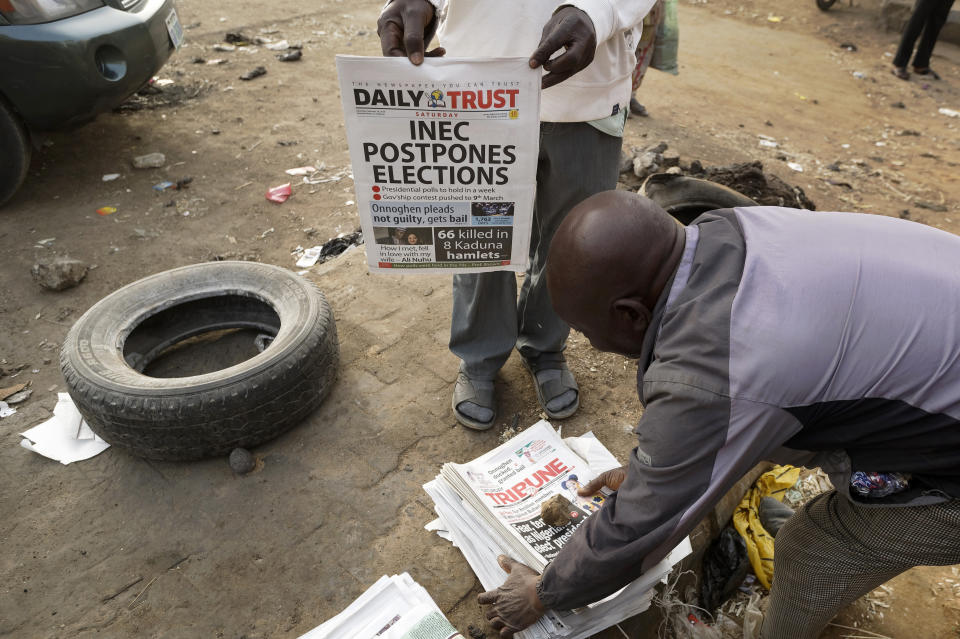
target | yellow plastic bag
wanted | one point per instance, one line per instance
(746, 518)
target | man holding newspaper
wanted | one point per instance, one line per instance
(587, 49)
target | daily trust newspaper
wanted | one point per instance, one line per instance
(444, 159)
(394, 607)
(491, 506)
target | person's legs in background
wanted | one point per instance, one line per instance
(832, 551)
(936, 18)
(915, 26)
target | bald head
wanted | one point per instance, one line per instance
(608, 264)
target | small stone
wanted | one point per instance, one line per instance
(833, 167)
(59, 274)
(645, 164)
(674, 170)
(408, 468)
(256, 72)
(931, 206)
(149, 161)
(22, 396)
(658, 148)
(242, 461)
(556, 511)
(473, 631)
(290, 56)
(626, 162)
(696, 167)
(670, 159)
(898, 105)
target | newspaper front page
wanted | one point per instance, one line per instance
(444, 160)
(511, 482)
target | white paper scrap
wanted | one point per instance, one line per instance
(6, 410)
(309, 257)
(65, 437)
(589, 448)
(302, 170)
(440, 528)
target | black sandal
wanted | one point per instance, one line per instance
(927, 71)
(901, 72)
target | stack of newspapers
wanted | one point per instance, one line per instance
(395, 607)
(491, 506)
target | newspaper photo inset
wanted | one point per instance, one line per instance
(444, 159)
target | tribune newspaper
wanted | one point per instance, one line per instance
(510, 483)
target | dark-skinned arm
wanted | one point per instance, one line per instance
(405, 27)
(670, 486)
(577, 28)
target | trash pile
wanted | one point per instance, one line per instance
(11, 396)
(330, 249)
(736, 570)
(748, 178)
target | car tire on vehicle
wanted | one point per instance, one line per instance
(14, 151)
(186, 418)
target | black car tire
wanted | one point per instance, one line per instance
(14, 151)
(685, 198)
(186, 418)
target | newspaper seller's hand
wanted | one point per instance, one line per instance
(570, 29)
(402, 28)
(610, 479)
(514, 605)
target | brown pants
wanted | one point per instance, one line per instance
(832, 551)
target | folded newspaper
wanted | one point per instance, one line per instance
(395, 607)
(491, 506)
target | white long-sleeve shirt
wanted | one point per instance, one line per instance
(501, 28)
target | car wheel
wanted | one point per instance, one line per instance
(185, 418)
(14, 151)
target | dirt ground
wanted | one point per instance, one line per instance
(117, 547)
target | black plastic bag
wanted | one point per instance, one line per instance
(725, 565)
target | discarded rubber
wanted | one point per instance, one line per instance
(186, 418)
(685, 198)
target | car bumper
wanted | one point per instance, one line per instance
(64, 73)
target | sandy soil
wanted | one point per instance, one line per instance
(742, 76)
